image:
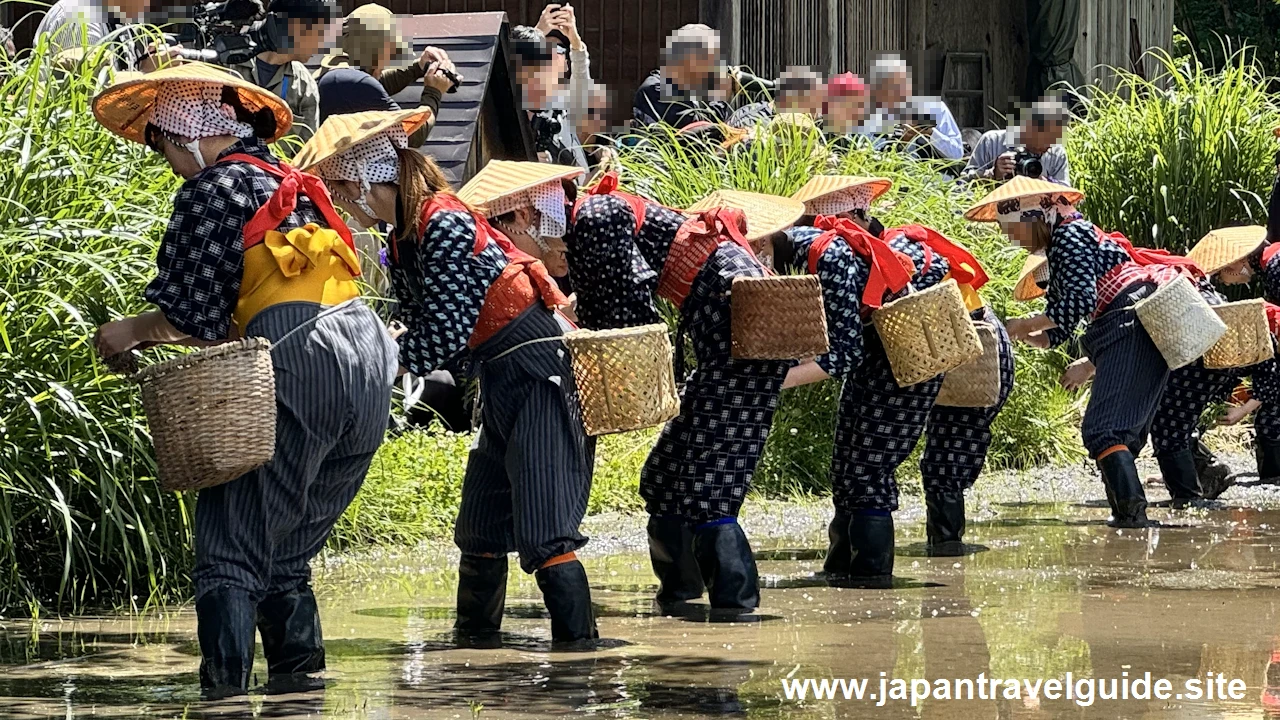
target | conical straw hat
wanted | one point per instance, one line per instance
(125, 107)
(803, 121)
(1035, 271)
(823, 185)
(1226, 246)
(1019, 187)
(501, 179)
(766, 214)
(340, 133)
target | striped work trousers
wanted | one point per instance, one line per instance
(333, 397)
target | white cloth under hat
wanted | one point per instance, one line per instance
(371, 162)
(847, 200)
(194, 110)
(548, 199)
(1045, 208)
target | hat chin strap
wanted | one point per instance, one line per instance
(193, 147)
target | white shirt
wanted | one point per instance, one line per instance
(84, 23)
(945, 138)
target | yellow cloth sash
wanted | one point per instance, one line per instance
(309, 264)
(972, 300)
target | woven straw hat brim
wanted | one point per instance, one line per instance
(794, 119)
(1227, 246)
(501, 179)
(823, 185)
(125, 107)
(1019, 187)
(339, 133)
(367, 29)
(766, 214)
(1027, 289)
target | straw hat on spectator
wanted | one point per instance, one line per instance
(126, 106)
(1227, 246)
(765, 214)
(837, 187)
(504, 185)
(1034, 275)
(1017, 188)
(340, 133)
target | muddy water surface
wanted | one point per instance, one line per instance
(1056, 592)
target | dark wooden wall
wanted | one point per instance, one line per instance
(996, 27)
(624, 37)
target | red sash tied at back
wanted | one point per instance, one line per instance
(694, 243)
(608, 185)
(965, 268)
(1273, 318)
(285, 200)
(1269, 253)
(891, 271)
(523, 282)
(1150, 256)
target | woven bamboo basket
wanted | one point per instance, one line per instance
(975, 384)
(1248, 338)
(927, 333)
(625, 378)
(212, 414)
(1180, 322)
(778, 318)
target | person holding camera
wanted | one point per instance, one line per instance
(363, 77)
(693, 85)
(1033, 149)
(71, 25)
(925, 124)
(555, 108)
(283, 71)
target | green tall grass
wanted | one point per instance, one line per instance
(1039, 424)
(1167, 160)
(80, 216)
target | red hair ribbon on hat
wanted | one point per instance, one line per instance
(965, 268)
(1150, 256)
(890, 270)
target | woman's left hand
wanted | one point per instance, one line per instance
(115, 337)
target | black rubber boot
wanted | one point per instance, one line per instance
(1180, 477)
(225, 627)
(671, 553)
(944, 523)
(1215, 476)
(1124, 490)
(290, 626)
(871, 537)
(482, 596)
(839, 552)
(728, 566)
(567, 596)
(1268, 454)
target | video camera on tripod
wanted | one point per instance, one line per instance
(230, 32)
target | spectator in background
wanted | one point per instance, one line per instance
(284, 72)
(800, 90)
(594, 128)
(693, 85)
(71, 25)
(363, 76)
(556, 92)
(847, 104)
(925, 123)
(1040, 135)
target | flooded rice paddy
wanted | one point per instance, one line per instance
(1054, 592)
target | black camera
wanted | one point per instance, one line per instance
(546, 127)
(1027, 164)
(230, 32)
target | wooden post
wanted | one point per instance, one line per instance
(835, 33)
(917, 33)
(723, 15)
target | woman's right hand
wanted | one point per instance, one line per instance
(1078, 374)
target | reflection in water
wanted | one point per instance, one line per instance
(1057, 594)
